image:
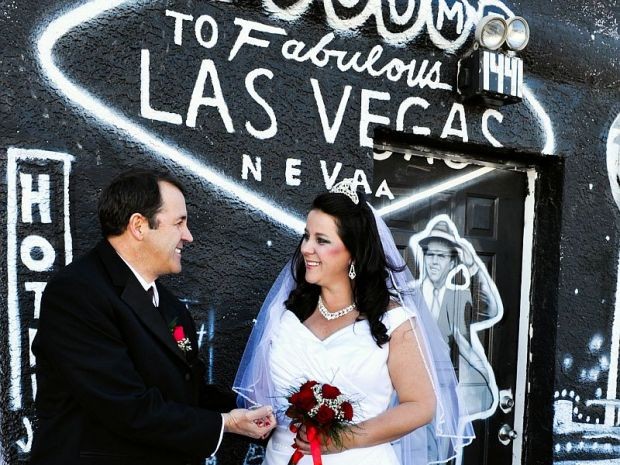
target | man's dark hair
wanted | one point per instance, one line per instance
(133, 191)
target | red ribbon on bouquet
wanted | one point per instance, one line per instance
(324, 410)
(315, 444)
(315, 448)
(296, 457)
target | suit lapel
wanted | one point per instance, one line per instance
(173, 311)
(169, 307)
(134, 295)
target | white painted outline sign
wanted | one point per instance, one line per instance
(60, 26)
(66, 22)
(14, 323)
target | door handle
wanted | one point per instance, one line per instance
(506, 434)
(506, 400)
(507, 403)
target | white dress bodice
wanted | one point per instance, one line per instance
(349, 359)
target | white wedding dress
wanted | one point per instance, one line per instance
(349, 359)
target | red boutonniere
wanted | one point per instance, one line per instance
(178, 333)
(323, 409)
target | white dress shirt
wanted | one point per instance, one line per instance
(143, 282)
(428, 290)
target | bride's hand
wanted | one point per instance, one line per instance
(327, 444)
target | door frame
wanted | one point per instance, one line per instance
(523, 346)
(423, 147)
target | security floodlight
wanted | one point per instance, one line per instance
(491, 75)
(517, 34)
(491, 32)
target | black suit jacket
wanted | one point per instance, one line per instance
(113, 388)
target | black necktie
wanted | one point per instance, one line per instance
(151, 292)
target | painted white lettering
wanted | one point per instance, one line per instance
(208, 70)
(31, 197)
(511, 72)
(178, 24)
(249, 85)
(26, 445)
(45, 250)
(373, 57)
(330, 131)
(496, 66)
(201, 333)
(394, 69)
(295, 53)
(433, 78)
(38, 288)
(247, 166)
(292, 173)
(32, 252)
(352, 63)
(32, 332)
(456, 10)
(316, 52)
(146, 111)
(402, 109)
(245, 38)
(448, 130)
(416, 79)
(384, 190)
(411, 24)
(486, 71)
(33, 383)
(485, 125)
(330, 180)
(398, 18)
(366, 117)
(198, 30)
(360, 179)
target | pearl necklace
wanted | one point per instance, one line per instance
(333, 315)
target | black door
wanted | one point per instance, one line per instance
(460, 228)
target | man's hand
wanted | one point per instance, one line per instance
(255, 423)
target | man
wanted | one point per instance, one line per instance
(447, 293)
(450, 307)
(118, 374)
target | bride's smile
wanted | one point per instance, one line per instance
(326, 258)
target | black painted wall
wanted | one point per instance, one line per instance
(84, 101)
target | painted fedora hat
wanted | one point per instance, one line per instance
(441, 230)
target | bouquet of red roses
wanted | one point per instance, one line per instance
(322, 409)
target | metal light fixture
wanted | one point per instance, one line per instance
(489, 74)
(517, 33)
(491, 32)
(494, 31)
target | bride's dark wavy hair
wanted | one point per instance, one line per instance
(358, 231)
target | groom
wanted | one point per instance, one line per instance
(118, 373)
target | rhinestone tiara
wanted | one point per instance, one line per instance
(346, 187)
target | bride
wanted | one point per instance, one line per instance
(341, 313)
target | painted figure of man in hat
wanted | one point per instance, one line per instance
(450, 306)
(449, 270)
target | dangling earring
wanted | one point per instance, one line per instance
(352, 273)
